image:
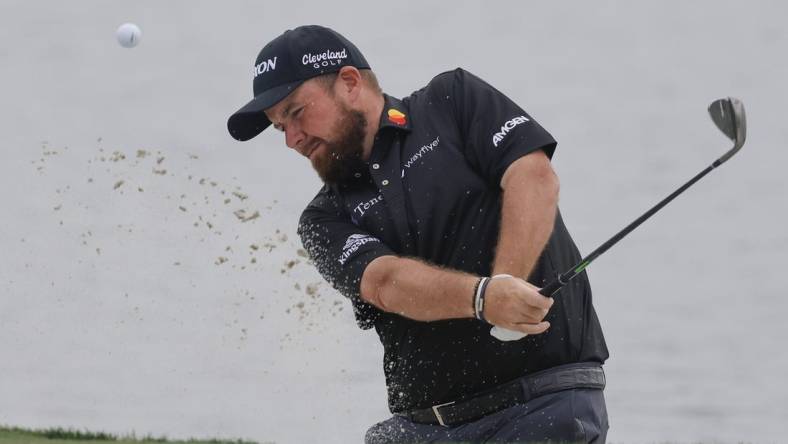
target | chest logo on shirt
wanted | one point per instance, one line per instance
(423, 151)
(353, 243)
(396, 116)
(362, 208)
(508, 126)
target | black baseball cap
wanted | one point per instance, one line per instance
(285, 63)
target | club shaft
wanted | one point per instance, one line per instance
(563, 279)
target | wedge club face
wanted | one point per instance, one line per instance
(728, 114)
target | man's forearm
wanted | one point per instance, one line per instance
(418, 290)
(424, 292)
(530, 202)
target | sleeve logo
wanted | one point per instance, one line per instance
(508, 126)
(353, 243)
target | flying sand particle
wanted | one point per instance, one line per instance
(243, 217)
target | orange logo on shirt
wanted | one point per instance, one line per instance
(396, 116)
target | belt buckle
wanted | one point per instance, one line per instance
(438, 413)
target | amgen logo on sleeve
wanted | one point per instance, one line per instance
(499, 136)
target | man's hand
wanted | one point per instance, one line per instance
(515, 304)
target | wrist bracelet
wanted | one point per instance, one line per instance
(475, 296)
(478, 298)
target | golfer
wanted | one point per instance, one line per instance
(438, 219)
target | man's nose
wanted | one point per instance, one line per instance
(295, 138)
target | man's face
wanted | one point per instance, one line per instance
(320, 126)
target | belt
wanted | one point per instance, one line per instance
(521, 390)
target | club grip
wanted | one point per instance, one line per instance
(551, 288)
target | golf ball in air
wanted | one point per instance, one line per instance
(128, 35)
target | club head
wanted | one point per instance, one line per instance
(728, 114)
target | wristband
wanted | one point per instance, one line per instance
(478, 298)
(474, 297)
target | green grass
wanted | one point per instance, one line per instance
(15, 435)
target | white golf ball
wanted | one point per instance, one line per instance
(128, 35)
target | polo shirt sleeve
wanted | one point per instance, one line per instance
(341, 251)
(495, 130)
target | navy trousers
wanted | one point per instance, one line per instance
(570, 416)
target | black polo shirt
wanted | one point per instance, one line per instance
(432, 191)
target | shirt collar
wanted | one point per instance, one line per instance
(395, 114)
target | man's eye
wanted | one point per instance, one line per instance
(297, 112)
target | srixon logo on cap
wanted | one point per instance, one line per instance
(264, 66)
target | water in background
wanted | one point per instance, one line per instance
(152, 281)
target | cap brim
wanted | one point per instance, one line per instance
(251, 120)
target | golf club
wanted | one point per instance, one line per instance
(728, 114)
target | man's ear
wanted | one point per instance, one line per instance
(349, 83)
